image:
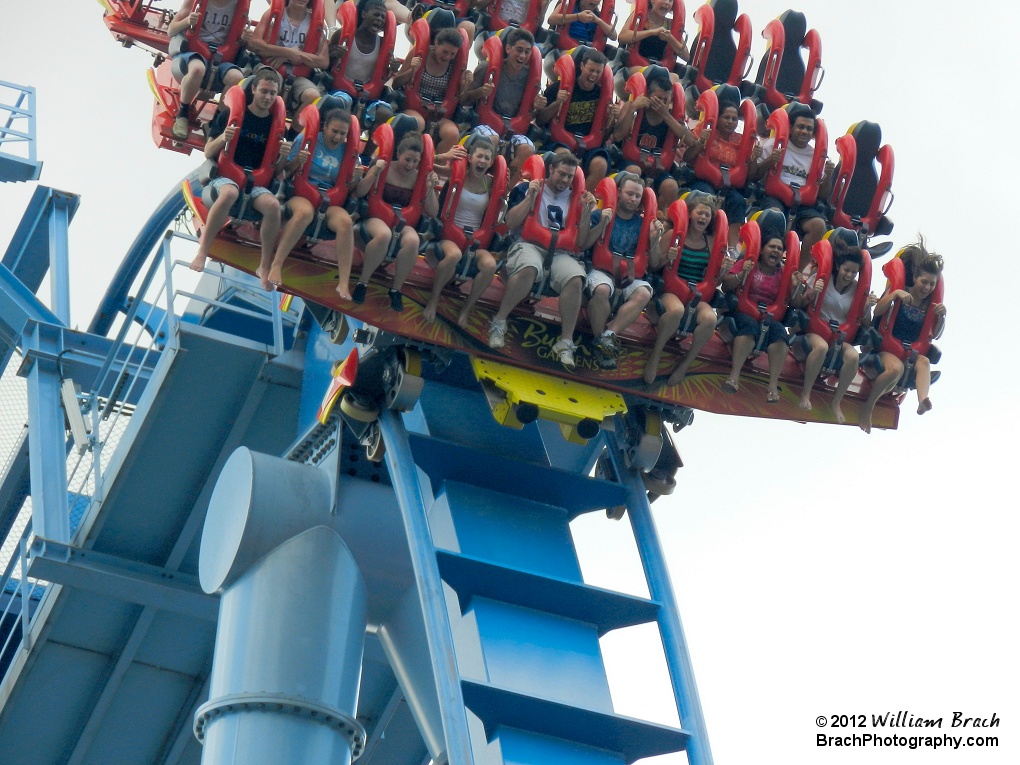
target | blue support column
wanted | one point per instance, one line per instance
(291, 630)
(674, 644)
(404, 476)
(46, 435)
(62, 208)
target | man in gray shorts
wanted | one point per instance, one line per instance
(607, 278)
(212, 26)
(526, 260)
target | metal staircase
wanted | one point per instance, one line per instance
(494, 531)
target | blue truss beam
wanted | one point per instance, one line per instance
(121, 578)
(18, 306)
(28, 254)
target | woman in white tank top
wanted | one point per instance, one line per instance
(472, 205)
(836, 304)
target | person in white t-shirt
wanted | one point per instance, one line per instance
(526, 260)
(809, 220)
(290, 50)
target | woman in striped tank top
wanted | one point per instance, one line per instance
(693, 261)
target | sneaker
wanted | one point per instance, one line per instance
(609, 345)
(396, 300)
(564, 350)
(497, 333)
(604, 360)
(181, 129)
(358, 295)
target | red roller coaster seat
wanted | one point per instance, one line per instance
(782, 73)
(662, 158)
(821, 253)
(861, 197)
(311, 119)
(777, 308)
(607, 13)
(624, 268)
(273, 17)
(676, 28)
(191, 42)
(497, 24)
(715, 55)
(493, 51)
(347, 18)
(705, 289)
(383, 138)
(794, 196)
(235, 100)
(895, 272)
(421, 35)
(465, 239)
(533, 231)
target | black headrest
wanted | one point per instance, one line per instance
(402, 124)
(795, 27)
(328, 103)
(440, 18)
(791, 70)
(868, 137)
(848, 235)
(578, 53)
(725, 14)
(728, 95)
(656, 72)
(795, 110)
(772, 223)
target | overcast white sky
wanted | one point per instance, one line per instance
(819, 571)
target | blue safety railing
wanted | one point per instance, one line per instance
(17, 133)
(145, 332)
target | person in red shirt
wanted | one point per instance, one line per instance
(724, 151)
(762, 280)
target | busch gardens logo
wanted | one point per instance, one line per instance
(538, 337)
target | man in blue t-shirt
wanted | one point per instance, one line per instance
(601, 285)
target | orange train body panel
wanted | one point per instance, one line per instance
(530, 338)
